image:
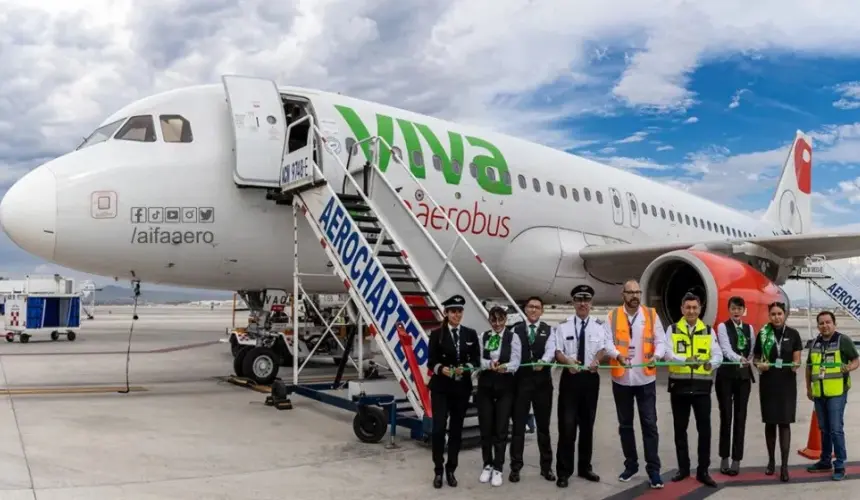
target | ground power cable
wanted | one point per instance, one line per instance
(136, 290)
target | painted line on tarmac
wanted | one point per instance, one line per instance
(163, 350)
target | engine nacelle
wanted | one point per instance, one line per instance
(714, 278)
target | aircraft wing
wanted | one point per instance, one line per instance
(615, 260)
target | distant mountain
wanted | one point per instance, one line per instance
(118, 295)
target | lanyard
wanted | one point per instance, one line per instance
(779, 342)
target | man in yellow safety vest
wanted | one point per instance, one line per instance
(692, 341)
(831, 357)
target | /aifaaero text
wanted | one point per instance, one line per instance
(163, 225)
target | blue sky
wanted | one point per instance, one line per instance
(697, 94)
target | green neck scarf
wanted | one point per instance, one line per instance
(493, 342)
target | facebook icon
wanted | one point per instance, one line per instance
(138, 215)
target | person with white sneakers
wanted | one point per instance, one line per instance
(501, 352)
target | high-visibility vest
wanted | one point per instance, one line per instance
(621, 336)
(834, 383)
(697, 345)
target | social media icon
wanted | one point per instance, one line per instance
(206, 214)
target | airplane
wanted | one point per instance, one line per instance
(178, 188)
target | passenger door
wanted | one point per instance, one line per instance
(259, 130)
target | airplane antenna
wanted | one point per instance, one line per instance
(135, 284)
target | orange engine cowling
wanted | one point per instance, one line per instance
(714, 278)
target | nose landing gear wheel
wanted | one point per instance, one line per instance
(261, 365)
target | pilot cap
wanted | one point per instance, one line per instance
(454, 302)
(582, 291)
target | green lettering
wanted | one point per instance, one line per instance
(484, 163)
(385, 130)
(412, 145)
(452, 175)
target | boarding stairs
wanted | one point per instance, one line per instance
(393, 269)
(829, 280)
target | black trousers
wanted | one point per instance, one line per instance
(700, 405)
(534, 391)
(577, 409)
(645, 397)
(445, 405)
(733, 395)
(495, 405)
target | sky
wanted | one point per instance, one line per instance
(702, 95)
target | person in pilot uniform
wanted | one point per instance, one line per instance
(580, 340)
(454, 351)
(501, 352)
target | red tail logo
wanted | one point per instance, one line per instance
(802, 166)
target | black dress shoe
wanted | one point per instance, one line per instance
(783, 474)
(769, 469)
(437, 481)
(706, 479)
(561, 482)
(548, 475)
(452, 481)
(680, 476)
(514, 477)
(589, 476)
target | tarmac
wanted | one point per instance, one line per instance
(182, 432)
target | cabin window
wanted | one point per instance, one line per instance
(101, 134)
(397, 154)
(562, 191)
(709, 225)
(599, 197)
(687, 218)
(587, 194)
(473, 170)
(417, 158)
(506, 178)
(671, 216)
(695, 222)
(138, 129)
(574, 193)
(633, 206)
(653, 210)
(437, 163)
(616, 201)
(175, 128)
(549, 188)
(662, 212)
(644, 209)
(536, 184)
(491, 174)
(456, 167)
(522, 180)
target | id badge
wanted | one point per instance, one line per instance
(821, 373)
(631, 353)
(778, 363)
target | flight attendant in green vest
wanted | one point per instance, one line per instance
(827, 387)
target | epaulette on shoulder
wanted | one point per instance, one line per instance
(599, 321)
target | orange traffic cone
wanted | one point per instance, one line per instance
(813, 442)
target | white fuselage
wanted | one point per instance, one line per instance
(82, 210)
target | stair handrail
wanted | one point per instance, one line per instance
(428, 196)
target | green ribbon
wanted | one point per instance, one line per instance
(768, 340)
(642, 365)
(742, 338)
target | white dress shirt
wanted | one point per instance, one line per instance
(716, 352)
(726, 343)
(516, 352)
(549, 348)
(636, 376)
(596, 339)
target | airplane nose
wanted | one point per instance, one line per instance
(28, 212)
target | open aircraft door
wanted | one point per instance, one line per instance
(259, 129)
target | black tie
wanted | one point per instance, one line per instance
(456, 336)
(580, 350)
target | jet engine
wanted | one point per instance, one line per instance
(713, 278)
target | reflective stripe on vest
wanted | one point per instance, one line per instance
(621, 338)
(833, 383)
(683, 344)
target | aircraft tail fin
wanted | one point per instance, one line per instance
(790, 209)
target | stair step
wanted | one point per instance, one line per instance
(365, 218)
(372, 230)
(350, 197)
(388, 253)
(385, 241)
(406, 279)
(396, 266)
(354, 207)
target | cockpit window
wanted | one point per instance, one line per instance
(101, 134)
(175, 128)
(137, 128)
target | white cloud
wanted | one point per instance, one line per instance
(665, 148)
(635, 137)
(607, 150)
(736, 98)
(692, 119)
(850, 92)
